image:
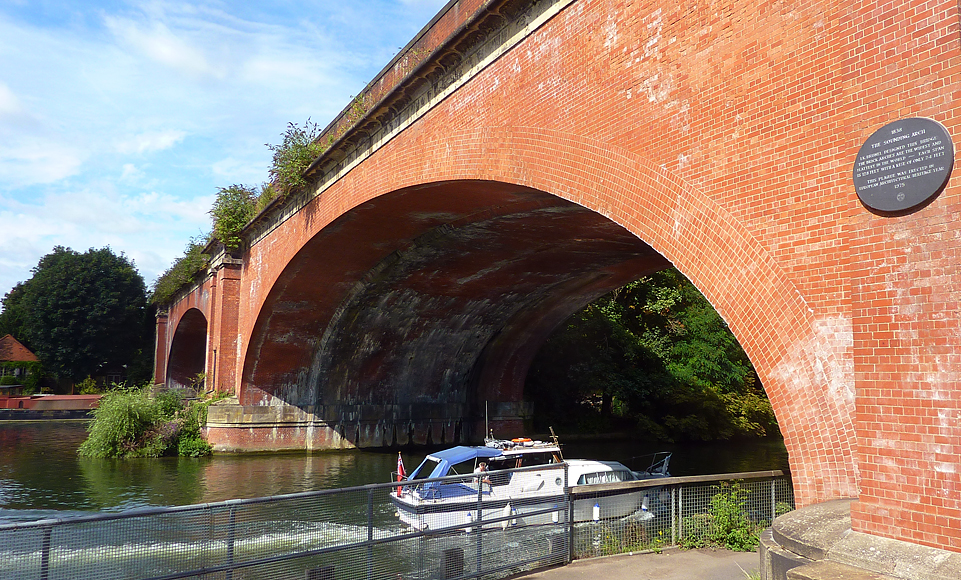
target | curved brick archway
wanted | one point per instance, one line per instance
(795, 356)
(188, 350)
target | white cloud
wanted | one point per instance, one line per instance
(28, 161)
(161, 45)
(9, 103)
(153, 141)
(118, 121)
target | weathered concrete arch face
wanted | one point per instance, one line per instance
(434, 318)
(188, 350)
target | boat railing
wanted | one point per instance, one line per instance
(430, 485)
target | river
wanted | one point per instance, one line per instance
(41, 475)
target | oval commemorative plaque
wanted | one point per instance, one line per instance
(903, 165)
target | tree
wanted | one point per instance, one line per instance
(12, 315)
(654, 355)
(83, 312)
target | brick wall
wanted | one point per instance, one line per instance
(723, 134)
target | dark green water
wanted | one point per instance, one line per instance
(41, 475)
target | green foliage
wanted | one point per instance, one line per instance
(184, 271)
(82, 312)
(232, 209)
(726, 525)
(653, 357)
(120, 425)
(267, 195)
(781, 508)
(31, 373)
(88, 386)
(13, 315)
(129, 423)
(300, 147)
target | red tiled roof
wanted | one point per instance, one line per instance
(12, 350)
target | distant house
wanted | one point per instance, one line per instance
(15, 365)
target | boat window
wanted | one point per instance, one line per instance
(424, 470)
(497, 477)
(604, 477)
(531, 459)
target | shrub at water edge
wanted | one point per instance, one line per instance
(131, 423)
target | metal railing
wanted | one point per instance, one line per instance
(355, 533)
(679, 511)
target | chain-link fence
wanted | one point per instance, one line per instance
(727, 510)
(357, 534)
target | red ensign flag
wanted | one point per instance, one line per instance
(400, 470)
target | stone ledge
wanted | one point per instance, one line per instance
(775, 560)
(827, 570)
(822, 533)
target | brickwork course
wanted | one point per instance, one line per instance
(613, 138)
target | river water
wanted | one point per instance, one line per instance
(41, 475)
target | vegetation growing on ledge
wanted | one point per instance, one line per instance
(300, 147)
(183, 272)
(236, 205)
(131, 423)
(652, 358)
(232, 209)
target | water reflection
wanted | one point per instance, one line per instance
(42, 476)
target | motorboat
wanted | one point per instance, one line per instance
(517, 481)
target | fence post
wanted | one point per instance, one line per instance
(480, 525)
(370, 534)
(569, 502)
(773, 499)
(680, 514)
(231, 532)
(674, 524)
(45, 553)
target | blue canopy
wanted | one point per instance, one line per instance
(453, 456)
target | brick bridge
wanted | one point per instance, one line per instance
(519, 159)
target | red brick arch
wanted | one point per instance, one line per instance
(797, 356)
(188, 349)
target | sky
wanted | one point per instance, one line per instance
(119, 120)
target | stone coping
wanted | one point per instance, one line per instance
(822, 532)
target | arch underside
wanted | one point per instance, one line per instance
(439, 312)
(188, 350)
(357, 306)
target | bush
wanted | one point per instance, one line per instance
(129, 423)
(232, 209)
(294, 156)
(726, 525)
(120, 424)
(88, 386)
(183, 272)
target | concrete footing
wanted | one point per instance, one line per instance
(817, 543)
(232, 426)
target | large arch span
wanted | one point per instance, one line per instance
(547, 223)
(520, 158)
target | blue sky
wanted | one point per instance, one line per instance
(120, 119)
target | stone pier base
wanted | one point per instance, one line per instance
(817, 543)
(235, 427)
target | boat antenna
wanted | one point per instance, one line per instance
(556, 442)
(487, 434)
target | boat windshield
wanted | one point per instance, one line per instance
(605, 477)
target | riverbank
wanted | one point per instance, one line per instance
(47, 407)
(45, 414)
